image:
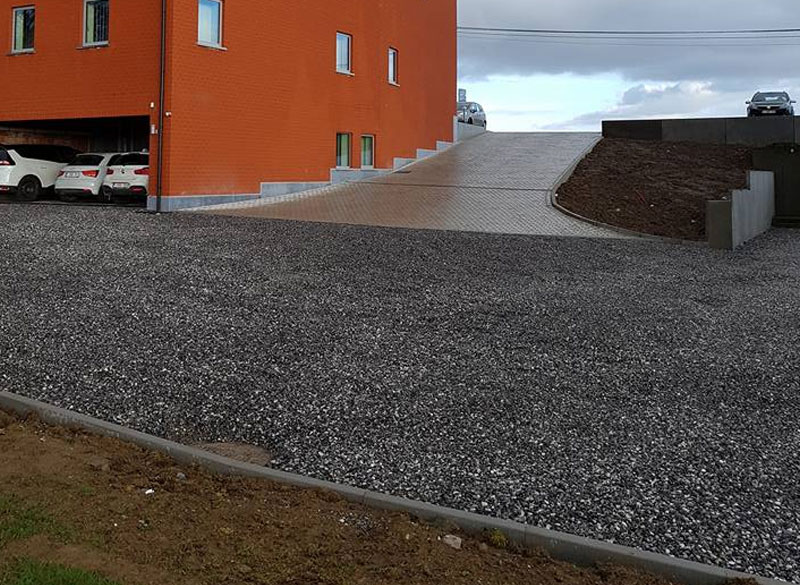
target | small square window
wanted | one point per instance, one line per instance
(96, 17)
(367, 152)
(209, 22)
(24, 27)
(343, 150)
(393, 62)
(344, 45)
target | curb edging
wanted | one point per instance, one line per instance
(565, 547)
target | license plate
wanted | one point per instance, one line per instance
(767, 111)
(72, 175)
(120, 185)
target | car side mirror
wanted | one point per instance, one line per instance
(748, 102)
(793, 102)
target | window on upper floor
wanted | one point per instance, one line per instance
(96, 21)
(393, 60)
(344, 46)
(209, 22)
(24, 27)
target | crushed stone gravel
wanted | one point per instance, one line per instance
(638, 392)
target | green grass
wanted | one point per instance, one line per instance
(29, 572)
(18, 522)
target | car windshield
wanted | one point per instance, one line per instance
(87, 160)
(771, 97)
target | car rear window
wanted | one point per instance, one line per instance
(87, 160)
(4, 156)
(48, 152)
(132, 159)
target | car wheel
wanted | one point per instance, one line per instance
(29, 189)
(470, 122)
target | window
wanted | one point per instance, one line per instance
(95, 14)
(24, 25)
(367, 152)
(209, 22)
(344, 45)
(343, 150)
(393, 66)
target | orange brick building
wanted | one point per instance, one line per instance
(258, 95)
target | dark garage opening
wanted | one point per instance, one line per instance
(123, 134)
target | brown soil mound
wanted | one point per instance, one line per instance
(139, 518)
(657, 188)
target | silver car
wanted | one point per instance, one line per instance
(471, 113)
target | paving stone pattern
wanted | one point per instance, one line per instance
(497, 183)
(634, 391)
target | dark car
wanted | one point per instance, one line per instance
(770, 103)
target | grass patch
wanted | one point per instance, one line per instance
(27, 572)
(19, 522)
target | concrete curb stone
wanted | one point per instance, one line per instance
(575, 549)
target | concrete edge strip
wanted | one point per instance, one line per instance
(565, 547)
(565, 177)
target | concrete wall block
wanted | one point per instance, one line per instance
(425, 153)
(759, 131)
(707, 131)
(442, 145)
(467, 131)
(633, 129)
(339, 176)
(399, 163)
(746, 215)
(279, 189)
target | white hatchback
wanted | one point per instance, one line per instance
(127, 175)
(26, 170)
(83, 177)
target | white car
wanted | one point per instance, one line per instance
(83, 176)
(127, 175)
(26, 170)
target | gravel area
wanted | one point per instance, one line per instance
(638, 392)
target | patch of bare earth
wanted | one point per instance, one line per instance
(657, 188)
(137, 517)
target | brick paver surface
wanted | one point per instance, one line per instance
(497, 183)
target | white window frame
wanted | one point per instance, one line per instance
(394, 61)
(14, 12)
(372, 152)
(349, 37)
(220, 41)
(349, 150)
(86, 27)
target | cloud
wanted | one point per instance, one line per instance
(656, 79)
(738, 63)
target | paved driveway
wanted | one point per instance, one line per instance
(497, 183)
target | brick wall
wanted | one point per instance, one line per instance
(268, 107)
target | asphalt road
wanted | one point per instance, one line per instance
(638, 392)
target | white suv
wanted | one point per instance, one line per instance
(83, 176)
(26, 170)
(127, 175)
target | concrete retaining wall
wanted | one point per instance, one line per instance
(467, 131)
(762, 131)
(746, 215)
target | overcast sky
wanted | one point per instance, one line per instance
(526, 84)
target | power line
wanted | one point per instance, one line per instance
(655, 33)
